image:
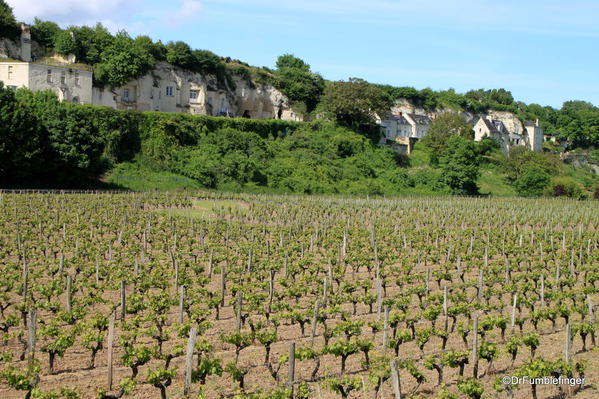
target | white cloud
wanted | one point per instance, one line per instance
(114, 14)
(189, 9)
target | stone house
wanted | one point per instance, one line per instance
(420, 124)
(405, 125)
(531, 137)
(69, 84)
(535, 135)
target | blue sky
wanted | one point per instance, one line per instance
(545, 52)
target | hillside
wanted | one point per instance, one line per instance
(291, 91)
(67, 145)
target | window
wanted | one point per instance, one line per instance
(193, 96)
(169, 91)
(76, 78)
(76, 100)
(49, 76)
(63, 77)
(12, 87)
(10, 72)
(126, 94)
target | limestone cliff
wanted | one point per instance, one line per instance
(171, 89)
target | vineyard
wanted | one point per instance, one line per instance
(108, 295)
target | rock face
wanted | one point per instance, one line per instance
(511, 121)
(11, 49)
(170, 89)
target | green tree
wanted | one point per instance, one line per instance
(532, 182)
(122, 61)
(442, 128)
(45, 33)
(179, 54)
(459, 164)
(23, 143)
(8, 24)
(355, 103)
(294, 78)
(64, 42)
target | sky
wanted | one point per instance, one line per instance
(543, 51)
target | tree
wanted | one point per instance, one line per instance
(64, 42)
(122, 61)
(442, 128)
(355, 103)
(532, 182)
(8, 24)
(290, 61)
(179, 54)
(294, 78)
(23, 142)
(45, 33)
(460, 166)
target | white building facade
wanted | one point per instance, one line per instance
(69, 84)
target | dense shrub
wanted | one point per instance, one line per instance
(565, 187)
(532, 182)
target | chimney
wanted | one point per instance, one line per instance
(25, 43)
(537, 122)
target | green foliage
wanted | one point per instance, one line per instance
(22, 142)
(565, 187)
(45, 33)
(294, 78)
(122, 60)
(8, 25)
(344, 385)
(532, 182)
(471, 387)
(442, 128)
(459, 164)
(355, 103)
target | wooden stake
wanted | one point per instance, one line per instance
(123, 300)
(189, 360)
(542, 295)
(480, 284)
(513, 321)
(31, 338)
(475, 346)
(379, 298)
(109, 350)
(291, 375)
(314, 322)
(69, 298)
(181, 302)
(386, 330)
(223, 285)
(239, 304)
(568, 345)
(591, 309)
(395, 379)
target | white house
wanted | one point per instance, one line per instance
(532, 137)
(69, 84)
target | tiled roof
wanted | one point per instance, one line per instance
(399, 119)
(490, 126)
(421, 119)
